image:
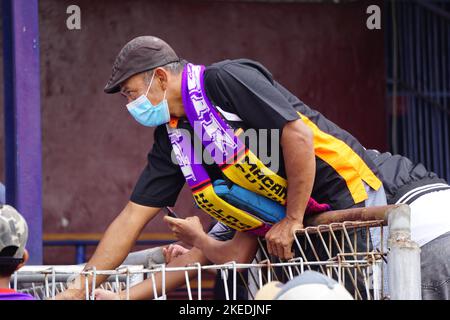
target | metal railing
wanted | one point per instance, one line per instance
(341, 250)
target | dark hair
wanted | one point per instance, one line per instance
(8, 264)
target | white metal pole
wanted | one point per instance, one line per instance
(403, 257)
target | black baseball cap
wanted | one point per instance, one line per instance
(139, 55)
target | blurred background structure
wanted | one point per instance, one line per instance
(72, 153)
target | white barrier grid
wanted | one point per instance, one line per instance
(335, 250)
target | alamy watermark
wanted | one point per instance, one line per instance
(373, 22)
(73, 21)
(223, 149)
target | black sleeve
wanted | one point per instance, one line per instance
(244, 90)
(161, 180)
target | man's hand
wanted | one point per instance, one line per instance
(189, 230)
(173, 251)
(71, 294)
(101, 294)
(281, 236)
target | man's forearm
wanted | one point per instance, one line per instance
(216, 251)
(242, 248)
(297, 142)
(300, 166)
(119, 238)
(114, 246)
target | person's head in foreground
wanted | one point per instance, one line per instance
(13, 255)
(310, 285)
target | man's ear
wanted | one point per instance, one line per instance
(162, 76)
(26, 256)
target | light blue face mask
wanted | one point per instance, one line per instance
(147, 114)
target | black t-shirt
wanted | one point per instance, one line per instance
(246, 89)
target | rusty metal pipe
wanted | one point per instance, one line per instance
(354, 214)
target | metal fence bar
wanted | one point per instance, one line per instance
(445, 34)
(417, 61)
(199, 281)
(188, 285)
(403, 257)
